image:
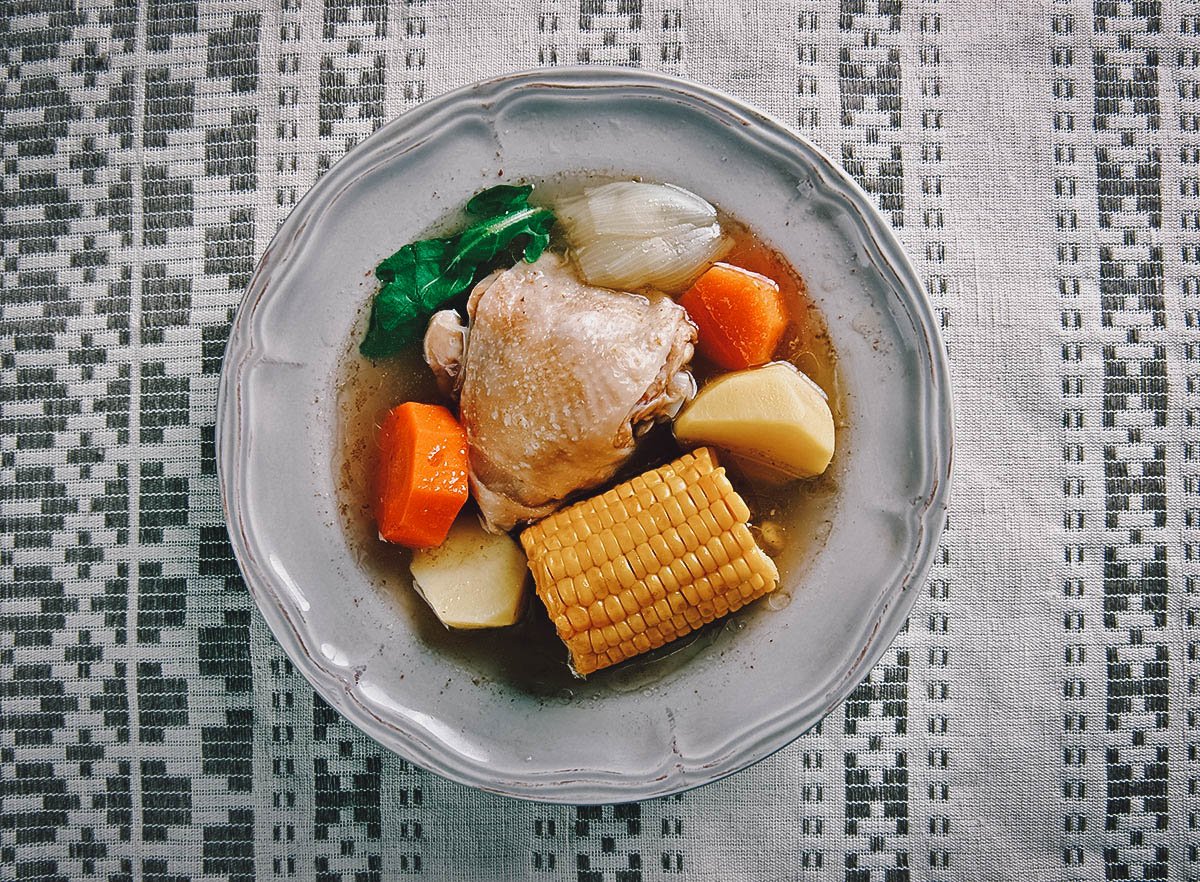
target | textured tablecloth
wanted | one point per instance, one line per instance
(1036, 720)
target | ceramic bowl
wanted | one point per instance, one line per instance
(740, 690)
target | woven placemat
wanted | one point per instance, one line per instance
(1036, 719)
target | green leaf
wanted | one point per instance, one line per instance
(393, 323)
(539, 236)
(500, 199)
(384, 344)
(483, 241)
(424, 275)
(404, 263)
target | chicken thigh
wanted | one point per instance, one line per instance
(556, 379)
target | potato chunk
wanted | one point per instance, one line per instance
(773, 418)
(474, 579)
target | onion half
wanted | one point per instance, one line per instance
(631, 236)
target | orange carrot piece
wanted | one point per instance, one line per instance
(740, 315)
(422, 479)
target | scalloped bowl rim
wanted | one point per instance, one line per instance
(583, 785)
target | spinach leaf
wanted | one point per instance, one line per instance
(423, 275)
(499, 200)
(483, 242)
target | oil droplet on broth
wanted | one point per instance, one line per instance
(778, 599)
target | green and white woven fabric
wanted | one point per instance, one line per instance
(1037, 719)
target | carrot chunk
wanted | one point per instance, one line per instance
(740, 316)
(422, 479)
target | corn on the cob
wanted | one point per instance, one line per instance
(647, 562)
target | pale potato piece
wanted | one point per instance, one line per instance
(773, 419)
(474, 579)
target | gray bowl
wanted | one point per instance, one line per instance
(743, 689)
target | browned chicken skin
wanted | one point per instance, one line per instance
(556, 379)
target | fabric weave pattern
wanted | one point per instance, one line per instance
(1036, 719)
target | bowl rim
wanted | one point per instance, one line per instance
(581, 785)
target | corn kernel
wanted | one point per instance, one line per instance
(647, 561)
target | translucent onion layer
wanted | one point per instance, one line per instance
(633, 236)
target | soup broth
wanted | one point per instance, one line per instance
(790, 521)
